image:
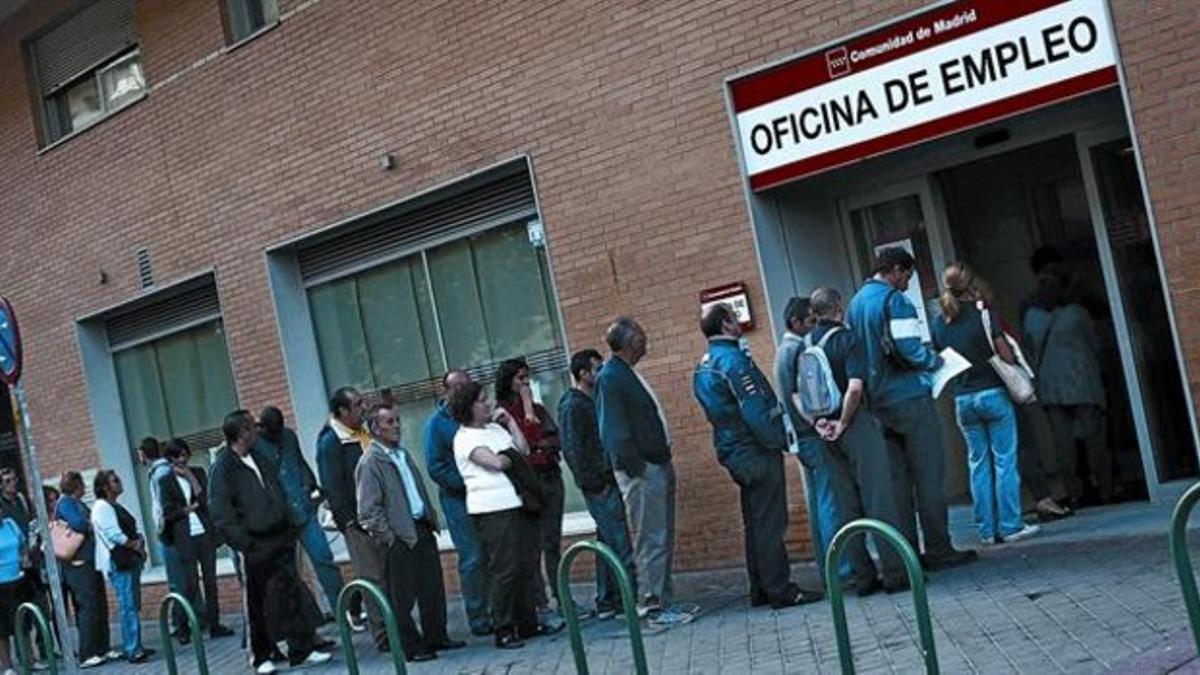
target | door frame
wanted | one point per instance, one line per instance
(1085, 140)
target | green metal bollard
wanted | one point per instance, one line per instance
(24, 649)
(389, 621)
(164, 631)
(1177, 538)
(628, 602)
(915, 577)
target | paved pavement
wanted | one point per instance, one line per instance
(1094, 593)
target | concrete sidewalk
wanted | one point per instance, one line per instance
(1094, 593)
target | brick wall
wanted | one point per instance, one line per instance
(620, 107)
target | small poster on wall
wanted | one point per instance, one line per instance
(913, 293)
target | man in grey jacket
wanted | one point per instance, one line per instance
(395, 510)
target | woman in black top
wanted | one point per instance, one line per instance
(982, 406)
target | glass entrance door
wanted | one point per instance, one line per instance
(1133, 272)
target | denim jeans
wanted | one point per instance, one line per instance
(127, 585)
(989, 425)
(608, 511)
(823, 517)
(472, 576)
(316, 547)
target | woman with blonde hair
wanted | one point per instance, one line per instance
(982, 407)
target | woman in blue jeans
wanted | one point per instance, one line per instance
(120, 554)
(982, 407)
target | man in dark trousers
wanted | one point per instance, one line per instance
(340, 444)
(394, 508)
(188, 536)
(438, 442)
(750, 440)
(281, 446)
(860, 472)
(250, 512)
(899, 366)
(580, 440)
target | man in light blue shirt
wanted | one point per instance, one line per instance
(393, 508)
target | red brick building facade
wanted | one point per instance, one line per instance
(619, 109)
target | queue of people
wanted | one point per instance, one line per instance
(854, 406)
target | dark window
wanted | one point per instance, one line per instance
(87, 66)
(246, 17)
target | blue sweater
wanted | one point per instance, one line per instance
(887, 383)
(439, 453)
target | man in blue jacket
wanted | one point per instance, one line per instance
(750, 440)
(281, 446)
(438, 442)
(899, 366)
(635, 436)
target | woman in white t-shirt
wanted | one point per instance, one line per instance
(508, 535)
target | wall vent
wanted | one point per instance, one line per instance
(145, 271)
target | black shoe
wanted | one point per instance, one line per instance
(447, 645)
(868, 588)
(184, 637)
(509, 641)
(421, 656)
(219, 631)
(892, 587)
(798, 597)
(947, 560)
(759, 600)
(142, 656)
(480, 630)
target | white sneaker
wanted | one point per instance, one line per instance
(317, 658)
(265, 668)
(10, 671)
(356, 623)
(113, 655)
(92, 662)
(1023, 533)
(668, 618)
(990, 541)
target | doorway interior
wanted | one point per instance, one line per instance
(1063, 178)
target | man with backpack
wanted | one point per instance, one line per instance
(898, 369)
(831, 370)
(750, 440)
(823, 517)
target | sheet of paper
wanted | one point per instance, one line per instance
(954, 364)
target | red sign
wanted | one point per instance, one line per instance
(938, 72)
(734, 295)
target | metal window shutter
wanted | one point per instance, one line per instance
(83, 41)
(162, 314)
(549, 360)
(499, 197)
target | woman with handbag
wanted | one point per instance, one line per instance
(983, 404)
(83, 582)
(121, 552)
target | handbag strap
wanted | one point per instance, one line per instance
(986, 315)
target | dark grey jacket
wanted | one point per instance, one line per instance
(383, 509)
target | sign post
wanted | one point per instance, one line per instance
(10, 374)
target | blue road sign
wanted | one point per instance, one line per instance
(10, 344)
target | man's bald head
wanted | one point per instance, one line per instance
(453, 380)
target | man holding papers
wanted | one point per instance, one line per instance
(899, 372)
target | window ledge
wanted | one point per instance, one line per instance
(265, 29)
(93, 124)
